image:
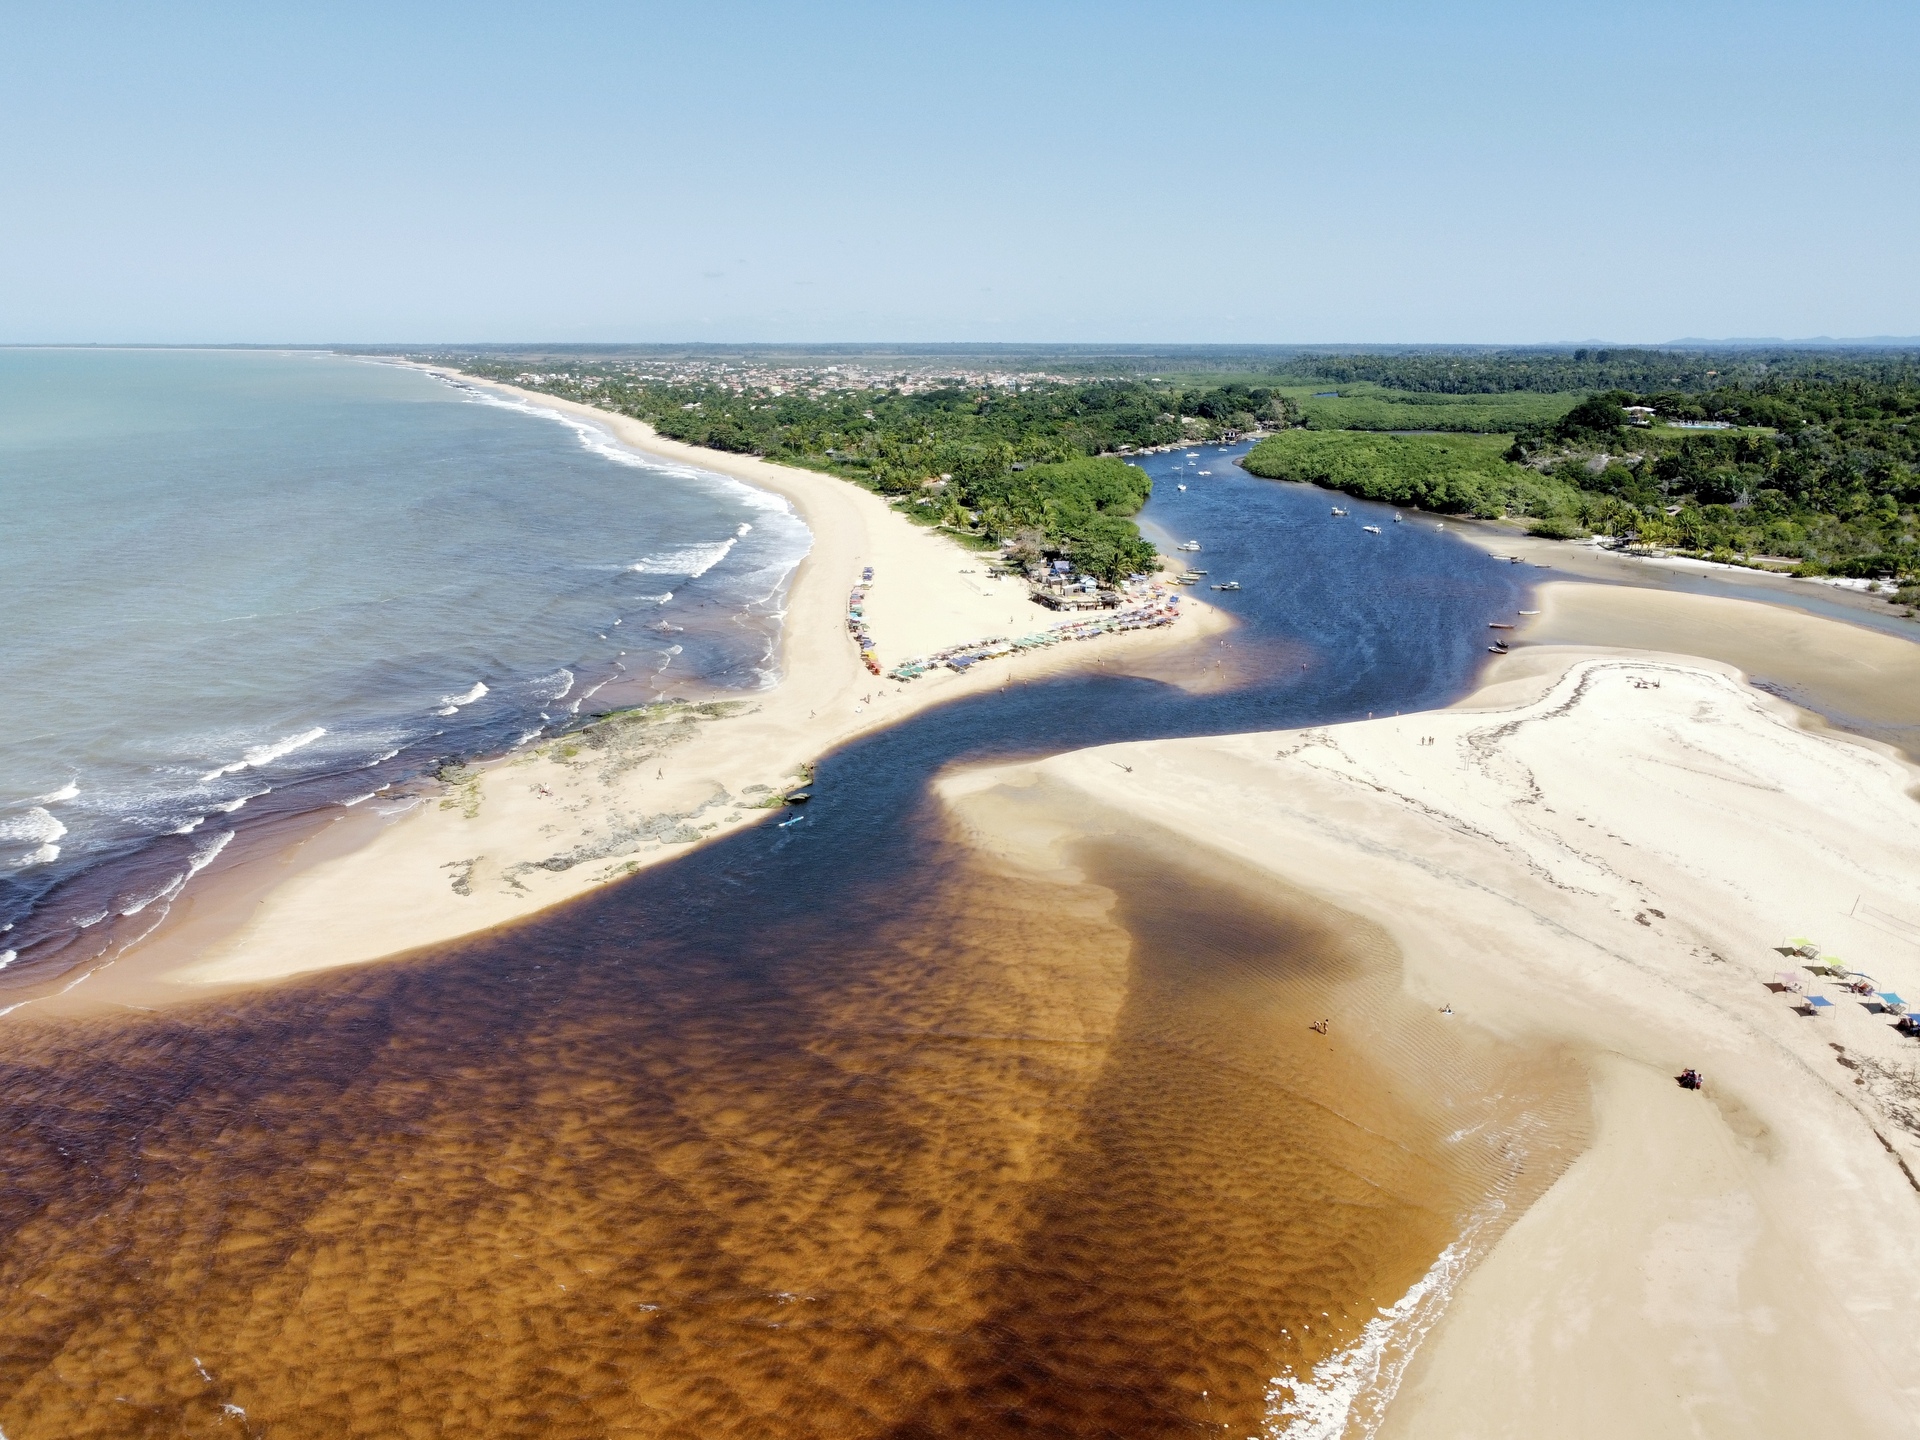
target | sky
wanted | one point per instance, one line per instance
(1026, 172)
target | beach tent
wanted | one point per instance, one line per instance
(1819, 1004)
(1895, 1005)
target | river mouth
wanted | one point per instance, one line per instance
(846, 1128)
(1048, 1153)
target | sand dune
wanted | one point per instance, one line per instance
(1607, 849)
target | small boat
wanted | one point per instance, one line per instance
(1190, 545)
(1399, 519)
(1228, 585)
(1338, 511)
(1498, 625)
(1498, 647)
(1529, 612)
(1206, 472)
(1182, 487)
(1371, 529)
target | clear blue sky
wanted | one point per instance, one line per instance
(1172, 172)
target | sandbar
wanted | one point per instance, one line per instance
(1610, 849)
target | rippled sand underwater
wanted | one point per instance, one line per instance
(1004, 1153)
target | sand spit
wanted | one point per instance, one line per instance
(1677, 575)
(1863, 681)
(504, 839)
(1608, 853)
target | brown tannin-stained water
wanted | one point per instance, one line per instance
(1021, 1157)
(848, 1129)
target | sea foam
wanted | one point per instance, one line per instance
(1349, 1391)
(259, 755)
(36, 827)
(692, 561)
(33, 825)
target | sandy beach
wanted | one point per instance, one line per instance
(1609, 849)
(506, 838)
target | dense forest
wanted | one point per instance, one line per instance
(1822, 472)
(1817, 472)
(1812, 461)
(993, 463)
(1640, 371)
(1447, 474)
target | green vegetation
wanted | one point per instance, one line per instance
(1585, 370)
(1366, 406)
(1032, 464)
(1450, 474)
(1812, 463)
(1823, 473)
(1820, 476)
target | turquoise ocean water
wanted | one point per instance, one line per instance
(242, 584)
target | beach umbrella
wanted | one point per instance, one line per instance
(1895, 1005)
(1819, 1004)
(1788, 978)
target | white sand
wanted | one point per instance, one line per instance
(1607, 854)
(470, 860)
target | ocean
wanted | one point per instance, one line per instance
(241, 585)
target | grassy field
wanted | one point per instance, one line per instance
(1366, 406)
(1451, 474)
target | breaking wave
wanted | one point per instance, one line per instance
(260, 755)
(691, 561)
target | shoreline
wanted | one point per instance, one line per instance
(1676, 574)
(1582, 857)
(527, 830)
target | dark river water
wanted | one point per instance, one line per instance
(833, 1129)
